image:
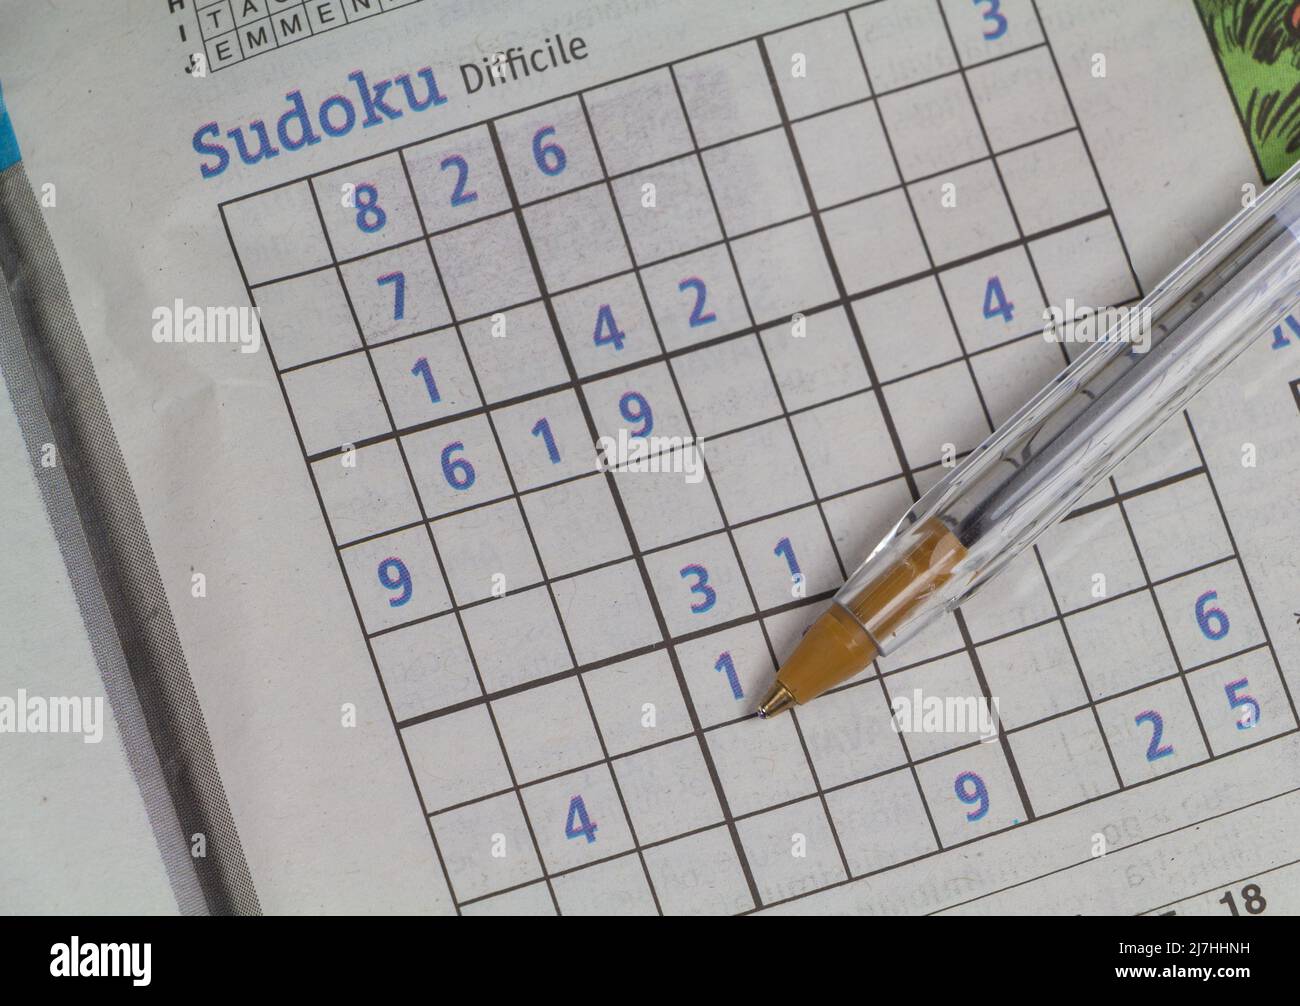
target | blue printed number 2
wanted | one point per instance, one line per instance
(578, 824)
(698, 315)
(1155, 749)
(459, 197)
(708, 596)
(995, 17)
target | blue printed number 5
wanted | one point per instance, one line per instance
(1248, 705)
(708, 596)
(995, 17)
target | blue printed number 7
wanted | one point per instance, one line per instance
(995, 17)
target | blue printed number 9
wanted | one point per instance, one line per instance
(634, 408)
(549, 156)
(970, 789)
(394, 575)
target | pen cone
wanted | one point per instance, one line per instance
(834, 648)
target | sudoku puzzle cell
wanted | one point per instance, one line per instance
(819, 259)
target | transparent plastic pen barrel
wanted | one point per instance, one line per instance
(1038, 464)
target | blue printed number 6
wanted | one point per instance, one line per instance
(550, 157)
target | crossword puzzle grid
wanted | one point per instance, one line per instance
(236, 30)
(454, 323)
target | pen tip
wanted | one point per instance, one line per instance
(778, 700)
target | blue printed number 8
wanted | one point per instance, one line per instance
(370, 217)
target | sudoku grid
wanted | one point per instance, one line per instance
(235, 30)
(719, 248)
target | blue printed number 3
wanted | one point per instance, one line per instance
(996, 19)
(708, 596)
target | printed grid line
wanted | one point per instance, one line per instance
(667, 355)
(668, 642)
(753, 597)
(968, 643)
(356, 608)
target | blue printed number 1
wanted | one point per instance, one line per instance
(422, 369)
(542, 429)
(578, 824)
(727, 666)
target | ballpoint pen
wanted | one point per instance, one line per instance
(1064, 440)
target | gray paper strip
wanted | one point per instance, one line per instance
(96, 518)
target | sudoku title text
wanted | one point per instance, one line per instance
(370, 103)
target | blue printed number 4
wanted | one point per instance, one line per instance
(578, 824)
(607, 331)
(996, 304)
